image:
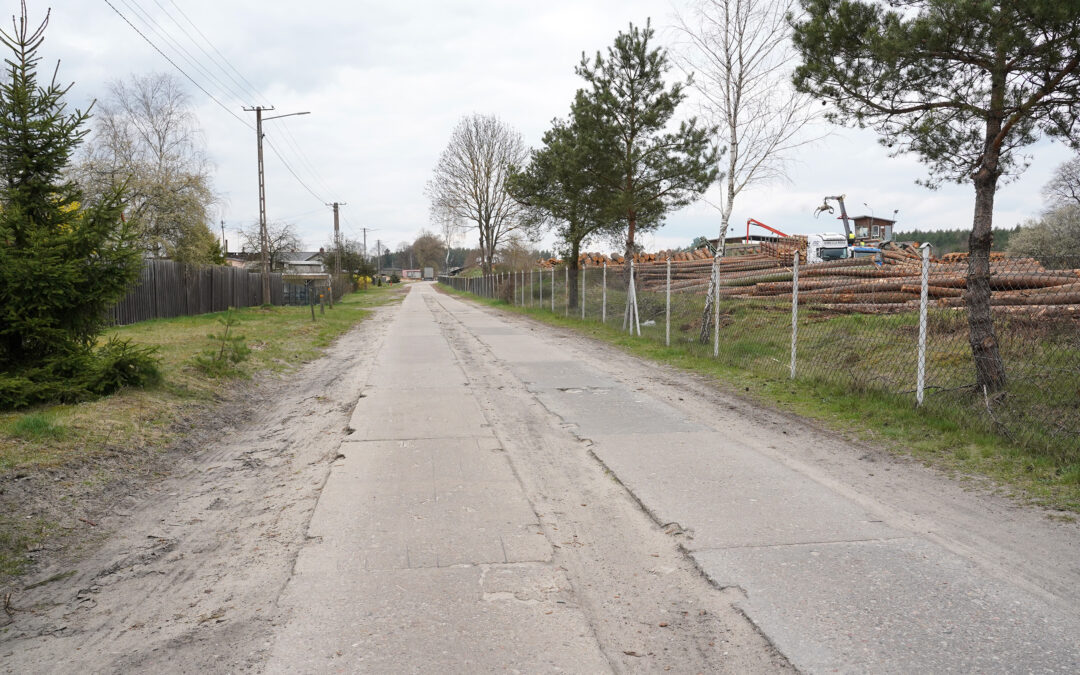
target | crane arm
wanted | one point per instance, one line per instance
(751, 221)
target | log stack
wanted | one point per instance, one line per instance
(867, 285)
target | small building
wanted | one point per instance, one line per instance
(411, 274)
(873, 227)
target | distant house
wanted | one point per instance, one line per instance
(871, 227)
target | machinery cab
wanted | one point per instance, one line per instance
(826, 247)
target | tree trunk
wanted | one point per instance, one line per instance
(575, 266)
(989, 368)
(725, 220)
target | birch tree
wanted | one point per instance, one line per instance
(741, 56)
(470, 181)
(146, 138)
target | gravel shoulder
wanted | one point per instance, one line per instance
(183, 575)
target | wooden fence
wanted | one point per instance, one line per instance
(166, 289)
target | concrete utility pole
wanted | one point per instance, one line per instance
(264, 239)
(378, 256)
(365, 230)
(224, 241)
(337, 235)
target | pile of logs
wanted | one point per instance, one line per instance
(867, 285)
(600, 259)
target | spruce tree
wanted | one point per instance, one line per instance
(62, 262)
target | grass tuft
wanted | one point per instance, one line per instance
(36, 426)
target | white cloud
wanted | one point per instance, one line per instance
(386, 82)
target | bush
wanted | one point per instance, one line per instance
(81, 375)
(394, 279)
(120, 364)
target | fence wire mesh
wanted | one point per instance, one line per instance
(856, 323)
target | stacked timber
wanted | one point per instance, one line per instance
(891, 282)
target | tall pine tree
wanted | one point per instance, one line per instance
(640, 168)
(962, 84)
(62, 262)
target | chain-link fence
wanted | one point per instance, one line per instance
(896, 322)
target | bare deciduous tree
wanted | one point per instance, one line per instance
(740, 54)
(451, 227)
(281, 240)
(469, 181)
(1064, 188)
(147, 137)
(428, 249)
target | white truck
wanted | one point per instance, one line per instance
(825, 247)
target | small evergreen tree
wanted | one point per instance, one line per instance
(62, 262)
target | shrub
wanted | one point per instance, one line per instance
(120, 364)
(228, 350)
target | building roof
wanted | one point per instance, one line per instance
(876, 219)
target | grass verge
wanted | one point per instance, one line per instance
(942, 435)
(134, 421)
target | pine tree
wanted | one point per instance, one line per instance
(556, 182)
(641, 169)
(962, 84)
(62, 262)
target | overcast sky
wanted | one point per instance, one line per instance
(387, 81)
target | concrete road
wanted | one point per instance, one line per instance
(514, 498)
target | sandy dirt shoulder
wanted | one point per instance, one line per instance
(186, 571)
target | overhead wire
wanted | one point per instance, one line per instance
(156, 28)
(215, 99)
(243, 82)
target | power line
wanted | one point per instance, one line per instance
(305, 161)
(242, 83)
(294, 174)
(159, 30)
(224, 107)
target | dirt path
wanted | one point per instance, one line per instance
(189, 580)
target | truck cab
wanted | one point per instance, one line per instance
(825, 247)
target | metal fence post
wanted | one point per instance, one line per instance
(566, 291)
(581, 281)
(794, 310)
(552, 289)
(667, 307)
(923, 294)
(540, 275)
(603, 302)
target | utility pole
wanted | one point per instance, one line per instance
(264, 239)
(365, 230)
(224, 241)
(378, 256)
(337, 235)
